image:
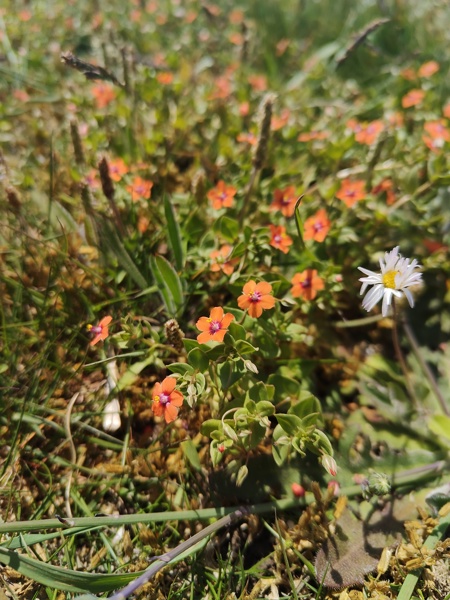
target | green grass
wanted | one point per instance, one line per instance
(107, 179)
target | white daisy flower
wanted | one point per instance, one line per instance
(397, 275)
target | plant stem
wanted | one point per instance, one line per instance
(426, 369)
(401, 358)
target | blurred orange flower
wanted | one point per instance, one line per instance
(282, 46)
(164, 78)
(310, 136)
(117, 169)
(413, 98)
(446, 110)
(279, 121)
(428, 69)
(166, 400)
(100, 331)
(214, 327)
(306, 284)
(222, 196)
(236, 38)
(221, 260)
(258, 82)
(103, 94)
(351, 192)
(436, 135)
(369, 132)
(317, 226)
(387, 186)
(92, 179)
(256, 297)
(140, 188)
(279, 238)
(249, 138)
(285, 200)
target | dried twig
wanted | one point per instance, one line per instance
(360, 38)
(89, 70)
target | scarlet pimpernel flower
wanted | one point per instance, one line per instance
(306, 284)
(256, 297)
(222, 196)
(413, 98)
(351, 192)
(140, 188)
(220, 260)
(100, 331)
(166, 400)
(396, 276)
(214, 327)
(317, 227)
(285, 200)
(279, 239)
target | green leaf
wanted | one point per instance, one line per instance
(236, 331)
(65, 580)
(111, 239)
(198, 359)
(440, 426)
(169, 284)
(174, 234)
(290, 423)
(244, 347)
(299, 222)
(230, 372)
(308, 405)
(190, 452)
(226, 228)
(207, 427)
(181, 368)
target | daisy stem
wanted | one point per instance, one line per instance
(401, 358)
(426, 369)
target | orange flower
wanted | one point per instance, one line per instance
(92, 179)
(428, 69)
(100, 331)
(386, 186)
(310, 136)
(282, 46)
(306, 284)
(249, 138)
(369, 132)
(236, 38)
(279, 121)
(258, 82)
(351, 192)
(140, 188)
(256, 297)
(317, 227)
(437, 134)
(285, 200)
(214, 327)
(413, 98)
(222, 195)
(164, 78)
(279, 238)
(117, 169)
(221, 259)
(166, 400)
(446, 110)
(103, 94)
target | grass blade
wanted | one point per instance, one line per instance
(174, 234)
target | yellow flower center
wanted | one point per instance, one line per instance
(389, 279)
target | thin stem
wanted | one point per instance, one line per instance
(401, 358)
(426, 369)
